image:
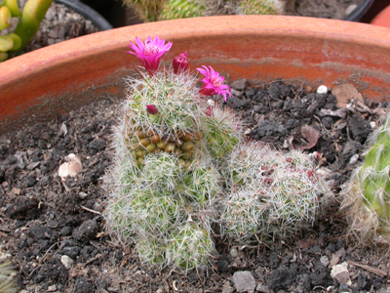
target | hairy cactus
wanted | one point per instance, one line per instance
(7, 276)
(367, 194)
(182, 164)
(165, 181)
(264, 7)
(174, 9)
(272, 195)
(148, 10)
(30, 18)
(222, 131)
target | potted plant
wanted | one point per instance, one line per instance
(60, 78)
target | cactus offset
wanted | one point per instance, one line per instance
(367, 193)
(272, 195)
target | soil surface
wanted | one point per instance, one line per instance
(335, 9)
(54, 231)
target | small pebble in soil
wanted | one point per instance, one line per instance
(322, 89)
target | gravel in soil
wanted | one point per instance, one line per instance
(54, 231)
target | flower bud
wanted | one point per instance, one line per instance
(209, 111)
(151, 109)
(180, 63)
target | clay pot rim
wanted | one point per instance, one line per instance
(215, 25)
(63, 76)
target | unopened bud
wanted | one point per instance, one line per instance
(151, 109)
(180, 63)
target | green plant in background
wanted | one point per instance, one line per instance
(182, 164)
(173, 9)
(146, 9)
(263, 7)
(7, 276)
(367, 194)
(30, 18)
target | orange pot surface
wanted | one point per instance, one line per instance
(63, 76)
(383, 18)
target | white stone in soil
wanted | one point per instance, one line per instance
(70, 168)
(322, 89)
(354, 159)
(244, 281)
(234, 252)
(324, 260)
(67, 261)
(340, 273)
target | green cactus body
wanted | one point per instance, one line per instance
(222, 132)
(262, 7)
(190, 246)
(148, 10)
(368, 192)
(151, 250)
(174, 9)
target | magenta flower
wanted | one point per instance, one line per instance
(151, 109)
(151, 52)
(180, 63)
(213, 83)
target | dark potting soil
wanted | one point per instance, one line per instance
(54, 230)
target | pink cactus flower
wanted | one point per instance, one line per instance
(150, 53)
(151, 109)
(213, 83)
(180, 63)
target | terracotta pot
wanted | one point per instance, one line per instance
(61, 77)
(383, 18)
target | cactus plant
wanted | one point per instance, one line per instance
(173, 9)
(272, 195)
(146, 9)
(165, 182)
(7, 276)
(367, 194)
(30, 18)
(182, 164)
(264, 7)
